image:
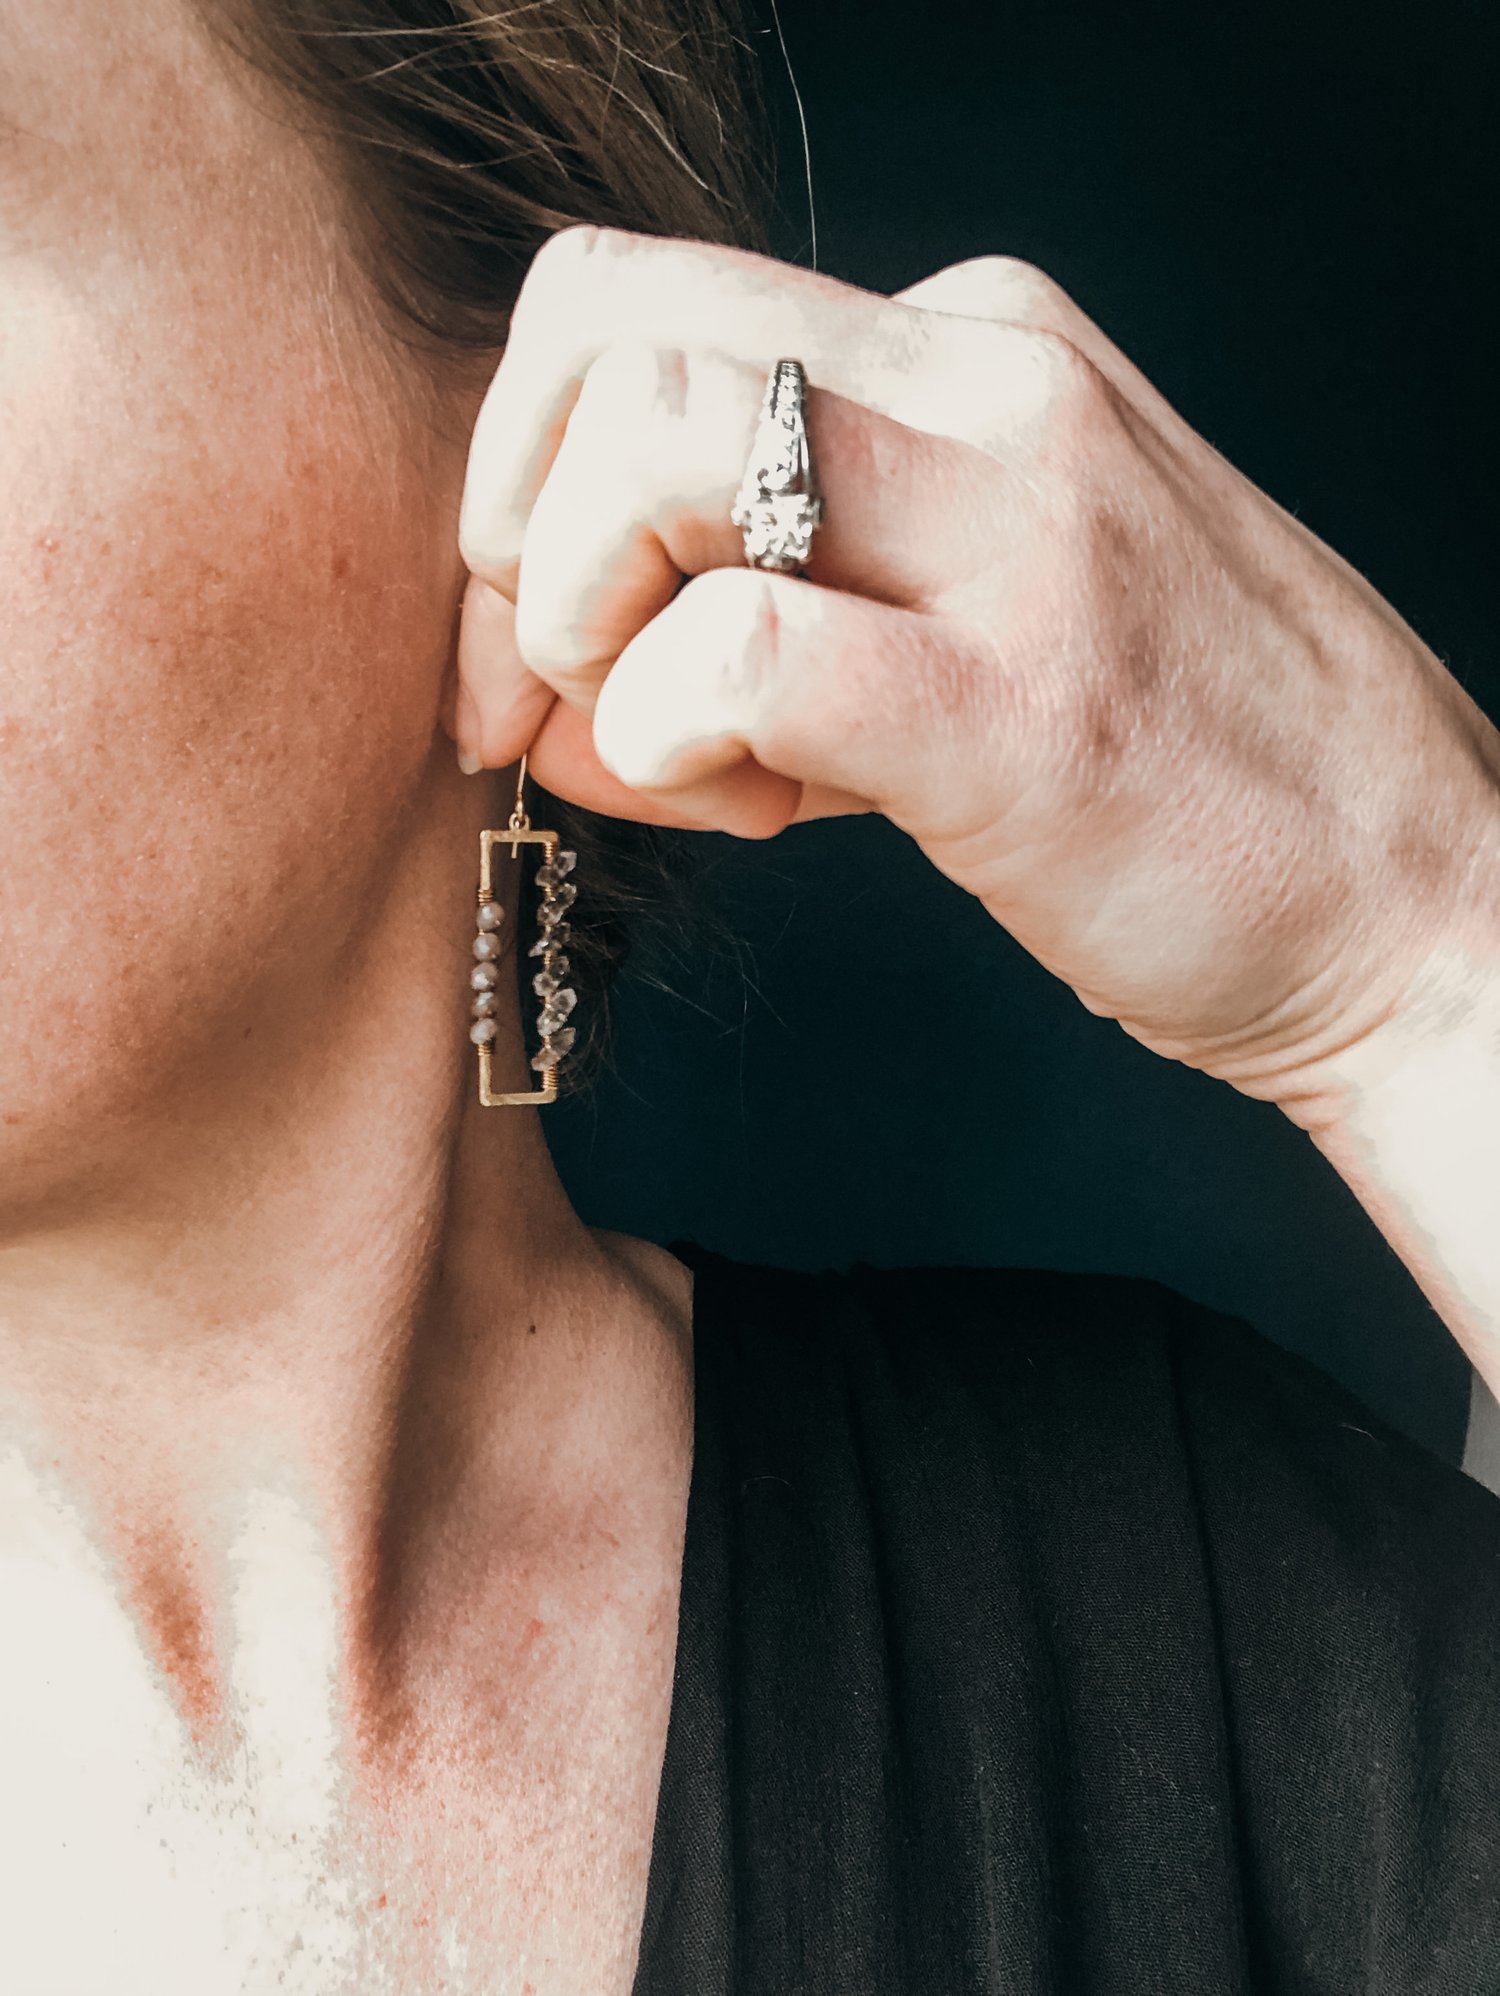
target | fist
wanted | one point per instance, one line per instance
(1171, 741)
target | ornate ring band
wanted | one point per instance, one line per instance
(778, 503)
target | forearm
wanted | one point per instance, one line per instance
(1417, 1140)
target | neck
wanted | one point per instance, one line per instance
(314, 1265)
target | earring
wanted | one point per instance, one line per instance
(557, 998)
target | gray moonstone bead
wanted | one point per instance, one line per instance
(482, 1031)
(486, 945)
(491, 915)
(484, 977)
(484, 1004)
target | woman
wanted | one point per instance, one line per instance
(1022, 1632)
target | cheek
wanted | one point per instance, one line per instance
(226, 614)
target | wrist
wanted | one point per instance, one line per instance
(1414, 1131)
(1440, 1013)
(1407, 1107)
(1447, 1026)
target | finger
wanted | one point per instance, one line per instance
(749, 685)
(519, 713)
(588, 288)
(558, 740)
(934, 367)
(508, 703)
(641, 491)
(564, 760)
(1005, 289)
(561, 757)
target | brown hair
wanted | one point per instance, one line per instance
(463, 135)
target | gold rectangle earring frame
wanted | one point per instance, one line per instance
(514, 838)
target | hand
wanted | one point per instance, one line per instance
(1173, 743)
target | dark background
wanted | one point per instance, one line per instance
(1284, 216)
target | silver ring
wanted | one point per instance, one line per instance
(778, 503)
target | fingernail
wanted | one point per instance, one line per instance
(469, 762)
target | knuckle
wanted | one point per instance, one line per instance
(998, 287)
(558, 659)
(484, 546)
(476, 547)
(1062, 375)
(733, 615)
(1020, 291)
(1053, 385)
(543, 645)
(741, 604)
(580, 243)
(557, 651)
(568, 247)
(552, 635)
(758, 658)
(559, 262)
(635, 376)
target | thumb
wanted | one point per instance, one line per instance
(755, 700)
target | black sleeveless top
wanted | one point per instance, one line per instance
(1048, 1633)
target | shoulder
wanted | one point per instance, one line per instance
(1239, 1585)
(1235, 1584)
(1121, 1386)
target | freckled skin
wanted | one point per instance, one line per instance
(212, 520)
(343, 1471)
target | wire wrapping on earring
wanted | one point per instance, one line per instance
(558, 998)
